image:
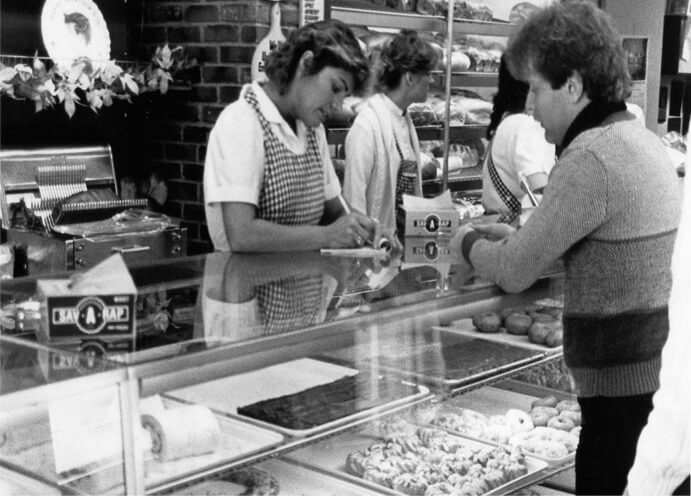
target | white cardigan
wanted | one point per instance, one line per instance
(372, 160)
(663, 454)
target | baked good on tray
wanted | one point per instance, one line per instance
(247, 481)
(431, 461)
(328, 402)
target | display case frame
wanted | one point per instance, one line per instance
(160, 370)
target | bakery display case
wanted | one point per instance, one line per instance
(280, 368)
(64, 422)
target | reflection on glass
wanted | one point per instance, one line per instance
(247, 296)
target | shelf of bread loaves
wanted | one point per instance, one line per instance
(417, 21)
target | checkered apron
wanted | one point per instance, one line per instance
(405, 184)
(504, 193)
(292, 194)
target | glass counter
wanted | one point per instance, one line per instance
(64, 422)
(243, 362)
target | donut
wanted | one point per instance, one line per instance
(519, 421)
(539, 418)
(568, 405)
(561, 423)
(575, 417)
(576, 431)
(498, 420)
(550, 401)
(497, 433)
(547, 410)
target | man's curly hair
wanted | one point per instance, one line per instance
(570, 36)
(405, 52)
(333, 45)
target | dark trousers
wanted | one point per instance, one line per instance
(607, 445)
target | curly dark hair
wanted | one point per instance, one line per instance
(405, 52)
(571, 36)
(333, 45)
(510, 97)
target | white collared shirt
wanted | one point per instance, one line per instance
(234, 165)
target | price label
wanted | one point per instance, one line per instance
(311, 11)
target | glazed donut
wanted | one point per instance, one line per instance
(568, 405)
(547, 410)
(576, 431)
(539, 418)
(561, 423)
(546, 401)
(575, 417)
(519, 421)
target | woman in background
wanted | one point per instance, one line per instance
(517, 148)
(381, 148)
(269, 183)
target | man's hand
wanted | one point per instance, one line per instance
(494, 231)
(457, 242)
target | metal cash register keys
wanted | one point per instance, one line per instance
(34, 185)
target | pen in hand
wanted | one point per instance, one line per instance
(383, 243)
(526, 186)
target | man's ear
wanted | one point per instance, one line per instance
(409, 78)
(574, 87)
(306, 61)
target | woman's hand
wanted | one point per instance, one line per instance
(350, 231)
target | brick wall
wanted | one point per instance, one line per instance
(222, 36)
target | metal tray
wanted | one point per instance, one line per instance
(441, 358)
(496, 401)
(289, 378)
(296, 478)
(465, 327)
(330, 455)
(239, 440)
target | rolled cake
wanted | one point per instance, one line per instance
(176, 433)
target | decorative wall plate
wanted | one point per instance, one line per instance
(73, 29)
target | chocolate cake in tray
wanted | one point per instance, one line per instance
(302, 396)
(326, 403)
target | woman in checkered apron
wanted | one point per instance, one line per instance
(269, 184)
(382, 150)
(517, 147)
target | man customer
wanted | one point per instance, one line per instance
(611, 210)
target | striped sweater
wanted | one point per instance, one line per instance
(611, 210)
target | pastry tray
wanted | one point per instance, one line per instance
(239, 440)
(330, 456)
(281, 380)
(497, 401)
(465, 327)
(442, 358)
(298, 479)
